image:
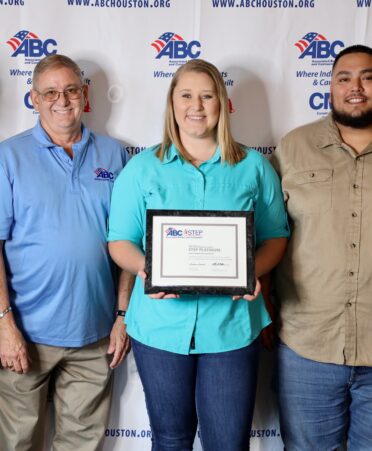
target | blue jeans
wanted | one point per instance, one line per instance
(321, 405)
(218, 390)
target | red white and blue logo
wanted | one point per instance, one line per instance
(320, 52)
(304, 42)
(173, 46)
(317, 46)
(29, 45)
(163, 40)
(18, 38)
(104, 174)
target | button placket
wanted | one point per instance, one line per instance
(353, 257)
(75, 182)
(199, 189)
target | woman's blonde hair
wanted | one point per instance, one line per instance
(231, 151)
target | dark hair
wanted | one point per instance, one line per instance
(358, 48)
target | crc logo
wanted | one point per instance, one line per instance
(29, 45)
(173, 46)
(315, 45)
(319, 101)
(27, 101)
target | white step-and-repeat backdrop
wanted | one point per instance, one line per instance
(274, 55)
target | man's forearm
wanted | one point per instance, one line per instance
(119, 340)
(13, 348)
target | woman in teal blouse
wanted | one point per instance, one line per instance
(197, 355)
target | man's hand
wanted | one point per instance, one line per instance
(119, 342)
(13, 348)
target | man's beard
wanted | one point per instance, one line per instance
(364, 120)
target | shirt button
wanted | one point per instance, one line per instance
(351, 273)
(354, 215)
(353, 245)
(312, 174)
(349, 304)
(355, 186)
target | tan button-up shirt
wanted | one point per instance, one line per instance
(324, 282)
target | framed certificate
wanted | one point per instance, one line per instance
(200, 252)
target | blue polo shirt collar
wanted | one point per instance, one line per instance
(44, 140)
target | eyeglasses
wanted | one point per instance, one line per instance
(52, 95)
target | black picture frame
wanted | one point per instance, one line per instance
(187, 287)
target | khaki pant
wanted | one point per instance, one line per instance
(81, 395)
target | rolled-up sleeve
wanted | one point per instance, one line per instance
(127, 212)
(271, 217)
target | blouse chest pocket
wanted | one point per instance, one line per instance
(309, 192)
(159, 197)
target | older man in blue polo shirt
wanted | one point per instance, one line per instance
(57, 290)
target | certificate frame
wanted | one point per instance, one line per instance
(204, 264)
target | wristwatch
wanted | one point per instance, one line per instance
(121, 312)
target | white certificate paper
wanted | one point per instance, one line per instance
(200, 251)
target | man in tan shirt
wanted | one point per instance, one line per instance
(324, 283)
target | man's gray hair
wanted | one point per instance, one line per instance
(55, 62)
